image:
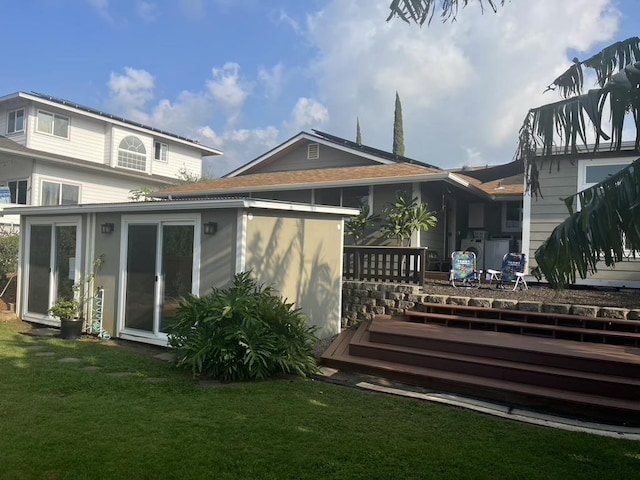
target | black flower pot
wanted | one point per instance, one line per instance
(71, 328)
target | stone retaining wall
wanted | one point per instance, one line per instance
(364, 300)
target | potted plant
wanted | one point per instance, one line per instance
(67, 311)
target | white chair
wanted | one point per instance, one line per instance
(514, 266)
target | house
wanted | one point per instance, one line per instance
(56, 152)
(482, 214)
(153, 253)
(562, 176)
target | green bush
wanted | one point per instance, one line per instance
(8, 255)
(244, 332)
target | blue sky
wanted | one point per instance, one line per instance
(245, 75)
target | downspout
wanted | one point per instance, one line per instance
(445, 243)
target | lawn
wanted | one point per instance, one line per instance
(62, 421)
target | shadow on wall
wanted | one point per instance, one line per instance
(293, 271)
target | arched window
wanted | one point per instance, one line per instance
(132, 154)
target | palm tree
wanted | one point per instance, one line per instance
(421, 11)
(609, 216)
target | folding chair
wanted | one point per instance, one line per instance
(514, 267)
(463, 270)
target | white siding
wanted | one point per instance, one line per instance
(86, 136)
(95, 187)
(178, 157)
(550, 211)
(329, 157)
(7, 107)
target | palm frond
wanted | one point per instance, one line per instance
(421, 11)
(606, 63)
(608, 222)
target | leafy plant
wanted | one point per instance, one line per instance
(357, 227)
(405, 216)
(65, 309)
(244, 332)
(8, 255)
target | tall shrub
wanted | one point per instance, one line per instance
(8, 255)
(244, 332)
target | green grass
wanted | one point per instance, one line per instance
(58, 421)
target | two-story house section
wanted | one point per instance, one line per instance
(56, 152)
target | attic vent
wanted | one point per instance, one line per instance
(313, 151)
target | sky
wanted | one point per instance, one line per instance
(246, 75)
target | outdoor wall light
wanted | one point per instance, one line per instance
(106, 227)
(210, 228)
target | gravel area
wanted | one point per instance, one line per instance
(601, 297)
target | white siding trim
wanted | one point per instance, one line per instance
(526, 225)
(341, 273)
(241, 240)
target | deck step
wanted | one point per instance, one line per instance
(595, 358)
(511, 370)
(594, 395)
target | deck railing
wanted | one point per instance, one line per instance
(385, 264)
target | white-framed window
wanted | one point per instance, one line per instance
(132, 154)
(591, 172)
(58, 193)
(53, 124)
(160, 151)
(18, 189)
(15, 121)
(512, 216)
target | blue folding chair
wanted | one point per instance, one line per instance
(463, 271)
(514, 267)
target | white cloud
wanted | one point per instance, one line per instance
(228, 89)
(102, 7)
(193, 9)
(147, 11)
(242, 146)
(131, 92)
(308, 113)
(272, 80)
(465, 86)
(283, 18)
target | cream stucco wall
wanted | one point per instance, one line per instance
(302, 259)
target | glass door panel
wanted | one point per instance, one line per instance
(177, 268)
(65, 261)
(39, 269)
(141, 277)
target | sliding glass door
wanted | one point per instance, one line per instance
(159, 270)
(51, 269)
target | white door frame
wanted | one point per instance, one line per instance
(155, 337)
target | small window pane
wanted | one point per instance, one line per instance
(355, 196)
(18, 189)
(598, 173)
(160, 153)
(61, 126)
(70, 194)
(45, 122)
(15, 121)
(327, 196)
(50, 193)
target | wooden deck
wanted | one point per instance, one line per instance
(585, 380)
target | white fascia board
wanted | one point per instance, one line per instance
(178, 205)
(311, 138)
(206, 151)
